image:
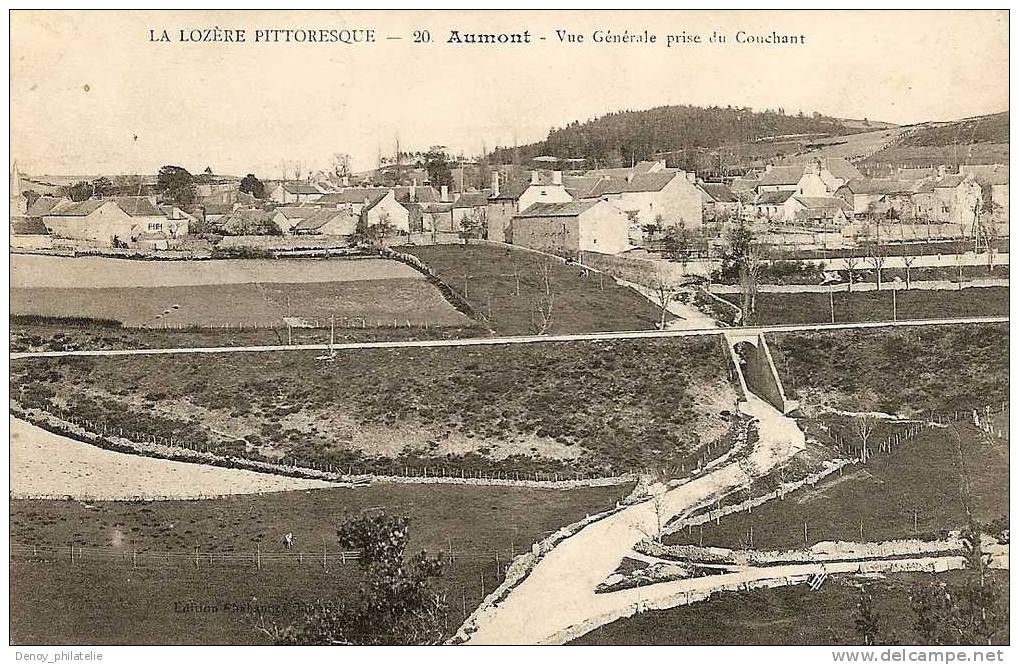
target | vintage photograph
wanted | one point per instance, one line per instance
(509, 328)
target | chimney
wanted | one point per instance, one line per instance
(942, 171)
(495, 184)
(557, 177)
(445, 194)
(534, 177)
(692, 176)
(413, 190)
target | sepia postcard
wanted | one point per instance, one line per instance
(543, 327)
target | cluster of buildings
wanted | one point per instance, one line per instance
(602, 210)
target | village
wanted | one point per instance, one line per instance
(821, 204)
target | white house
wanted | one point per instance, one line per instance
(295, 192)
(571, 226)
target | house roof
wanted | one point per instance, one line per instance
(944, 182)
(878, 186)
(580, 186)
(650, 182)
(511, 190)
(322, 217)
(355, 195)
(773, 198)
(437, 207)
(564, 209)
(297, 212)
(43, 205)
(718, 192)
(472, 200)
(840, 167)
(823, 203)
(781, 175)
(743, 184)
(28, 226)
(136, 206)
(301, 188)
(245, 214)
(68, 208)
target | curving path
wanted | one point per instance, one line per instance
(559, 593)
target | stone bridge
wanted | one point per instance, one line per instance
(755, 369)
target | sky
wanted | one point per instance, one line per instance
(91, 93)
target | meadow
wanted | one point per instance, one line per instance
(505, 284)
(857, 306)
(111, 600)
(794, 615)
(914, 491)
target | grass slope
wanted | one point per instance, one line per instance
(787, 615)
(581, 303)
(878, 306)
(596, 407)
(109, 602)
(908, 371)
(920, 480)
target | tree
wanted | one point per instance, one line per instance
(863, 425)
(665, 291)
(31, 196)
(544, 304)
(868, 620)
(437, 164)
(741, 256)
(252, 185)
(397, 603)
(375, 235)
(677, 243)
(473, 225)
(177, 185)
(80, 191)
(102, 186)
(907, 262)
(878, 262)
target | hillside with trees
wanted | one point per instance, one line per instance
(625, 136)
(981, 129)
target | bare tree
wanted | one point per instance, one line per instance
(665, 291)
(908, 262)
(863, 425)
(544, 305)
(851, 263)
(878, 262)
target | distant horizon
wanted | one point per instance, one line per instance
(124, 104)
(198, 170)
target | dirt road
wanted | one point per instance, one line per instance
(559, 592)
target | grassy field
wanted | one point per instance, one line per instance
(409, 302)
(33, 334)
(490, 275)
(598, 407)
(929, 155)
(907, 371)
(913, 491)
(787, 615)
(107, 601)
(359, 293)
(877, 305)
(36, 271)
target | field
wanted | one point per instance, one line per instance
(581, 303)
(913, 491)
(815, 307)
(32, 271)
(409, 302)
(902, 156)
(104, 600)
(907, 371)
(587, 407)
(45, 464)
(359, 293)
(787, 615)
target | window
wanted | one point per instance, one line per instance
(155, 226)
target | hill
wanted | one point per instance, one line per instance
(977, 140)
(686, 135)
